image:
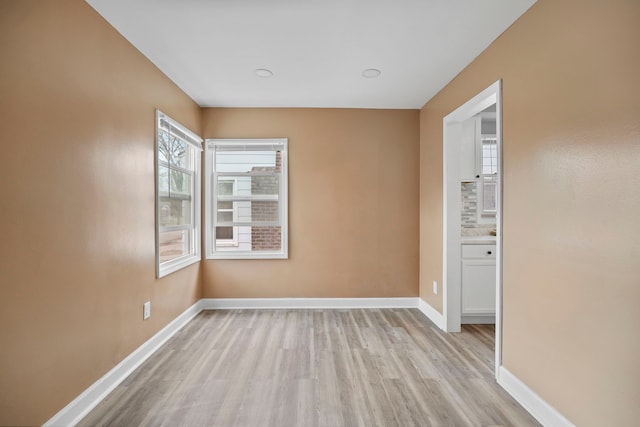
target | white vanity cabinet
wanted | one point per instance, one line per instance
(478, 283)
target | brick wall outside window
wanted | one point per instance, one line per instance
(265, 238)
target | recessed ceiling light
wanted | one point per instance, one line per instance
(263, 72)
(371, 73)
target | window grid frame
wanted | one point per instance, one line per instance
(211, 198)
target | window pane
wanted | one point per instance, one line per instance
(230, 211)
(489, 195)
(265, 239)
(174, 211)
(249, 211)
(163, 180)
(224, 233)
(180, 183)
(225, 216)
(179, 154)
(163, 145)
(246, 161)
(265, 185)
(489, 156)
(249, 185)
(225, 188)
(248, 239)
(174, 244)
(264, 211)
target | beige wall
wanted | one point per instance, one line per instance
(571, 99)
(353, 204)
(77, 250)
(77, 204)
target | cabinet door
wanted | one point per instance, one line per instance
(478, 287)
(468, 147)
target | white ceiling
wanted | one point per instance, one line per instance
(317, 49)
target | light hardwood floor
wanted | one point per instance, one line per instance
(315, 368)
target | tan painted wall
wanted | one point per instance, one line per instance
(571, 99)
(77, 204)
(353, 204)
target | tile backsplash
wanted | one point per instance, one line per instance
(469, 204)
(469, 210)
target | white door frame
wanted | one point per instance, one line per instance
(451, 269)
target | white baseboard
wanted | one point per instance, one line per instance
(478, 319)
(328, 303)
(71, 414)
(546, 414)
(432, 314)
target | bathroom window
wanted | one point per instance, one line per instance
(489, 155)
(488, 185)
(489, 195)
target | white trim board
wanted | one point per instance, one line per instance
(71, 414)
(327, 303)
(432, 314)
(546, 414)
(452, 126)
(478, 319)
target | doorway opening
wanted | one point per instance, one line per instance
(472, 213)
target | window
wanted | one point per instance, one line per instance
(246, 198)
(488, 183)
(227, 235)
(489, 195)
(489, 155)
(177, 196)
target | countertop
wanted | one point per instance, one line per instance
(478, 240)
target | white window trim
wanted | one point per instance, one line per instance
(168, 267)
(209, 185)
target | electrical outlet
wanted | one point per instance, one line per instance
(146, 310)
(435, 287)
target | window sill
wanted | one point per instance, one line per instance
(227, 244)
(248, 255)
(176, 264)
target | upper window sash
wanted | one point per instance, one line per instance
(246, 145)
(176, 129)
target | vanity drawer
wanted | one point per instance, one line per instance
(479, 251)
